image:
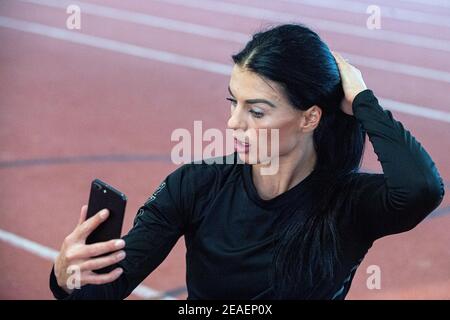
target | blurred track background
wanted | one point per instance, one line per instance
(102, 102)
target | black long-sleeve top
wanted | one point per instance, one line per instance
(228, 228)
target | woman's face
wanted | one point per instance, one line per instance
(258, 103)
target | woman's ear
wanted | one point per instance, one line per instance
(310, 118)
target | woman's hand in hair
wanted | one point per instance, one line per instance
(352, 82)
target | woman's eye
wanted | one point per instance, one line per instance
(254, 113)
(257, 114)
(233, 102)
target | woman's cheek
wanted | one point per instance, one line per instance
(285, 140)
(266, 143)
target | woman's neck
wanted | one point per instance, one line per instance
(292, 169)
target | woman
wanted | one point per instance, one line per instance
(297, 234)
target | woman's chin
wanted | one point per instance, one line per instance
(248, 158)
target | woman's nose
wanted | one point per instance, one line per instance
(236, 120)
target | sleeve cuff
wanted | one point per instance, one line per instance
(57, 291)
(360, 97)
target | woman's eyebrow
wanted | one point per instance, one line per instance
(229, 90)
(253, 101)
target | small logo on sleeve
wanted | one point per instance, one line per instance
(158, 190)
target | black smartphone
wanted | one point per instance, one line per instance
(104, 196)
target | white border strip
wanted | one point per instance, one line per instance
(51, 254)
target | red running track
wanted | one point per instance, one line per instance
(70, 112)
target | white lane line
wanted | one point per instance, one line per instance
(112, 45)
(146, 19)
(171, 58)
(327, 25)
(415, 110)
(396, 67)
(242, 38)
(408, 15)
(438, 3)
(47, 253)
(28, 245)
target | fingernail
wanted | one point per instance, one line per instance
(104, 213)
(120, 271)
(121, 255)
(119, 243)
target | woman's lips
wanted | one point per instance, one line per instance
(241, 146)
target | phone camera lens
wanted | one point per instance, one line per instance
(97, 186)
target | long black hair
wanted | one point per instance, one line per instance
(308, 251)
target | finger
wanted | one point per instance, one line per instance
(99, 263)
(339, 58)
(86, 228)
(93, 278)
(83, 214)
(336, 55)
(100, 248)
